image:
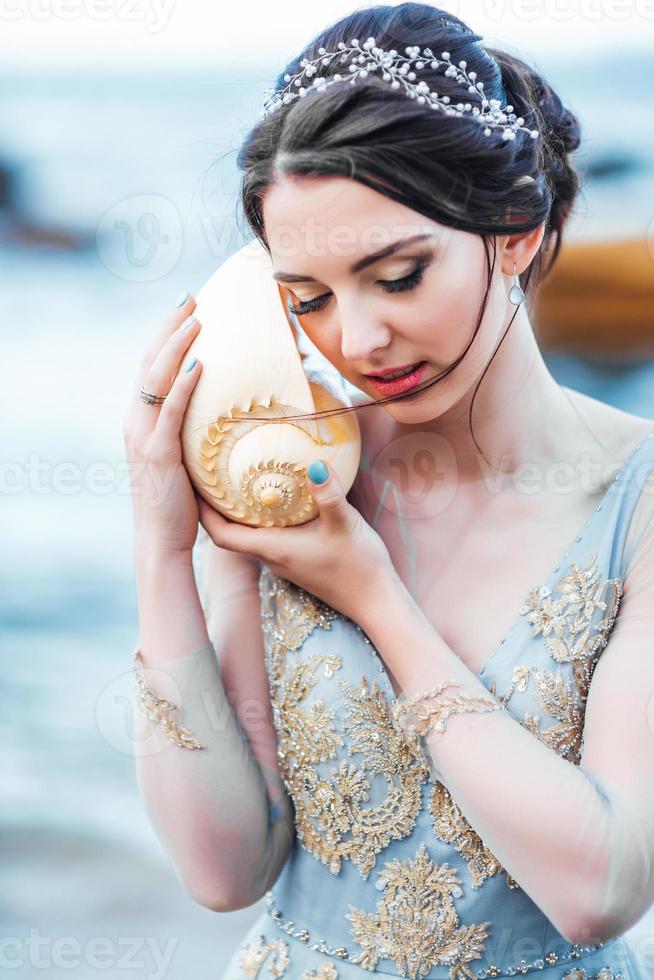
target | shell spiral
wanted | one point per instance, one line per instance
(244, 450)
(255, 472)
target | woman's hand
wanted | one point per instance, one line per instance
(165, 507)
(336, 556)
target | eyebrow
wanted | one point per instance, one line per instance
(360, 263)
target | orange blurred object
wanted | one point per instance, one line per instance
(599, 300)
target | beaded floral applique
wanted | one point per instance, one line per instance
(451, 826)
(274, 955)
(415, 923)
(330, 810)
(257, 951)
(565, 618)
(332, 821)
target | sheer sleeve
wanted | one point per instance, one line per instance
(619, 729)
(578, 837)
(220, 811)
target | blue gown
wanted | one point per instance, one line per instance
(386, 876)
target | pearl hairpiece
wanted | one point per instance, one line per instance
(398, 70)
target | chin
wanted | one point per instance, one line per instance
(410, 414)
(417, 403)
(424, 407)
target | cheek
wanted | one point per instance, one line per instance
(316, 337)
(327, 342)
(435, 324)
(447, 313)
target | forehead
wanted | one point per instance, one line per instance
(333, 218)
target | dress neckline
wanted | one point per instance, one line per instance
(625, 466)
(556, 568)
(547, 581)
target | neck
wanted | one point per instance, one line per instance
(520, 413)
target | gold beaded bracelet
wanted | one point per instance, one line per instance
(423, 718)
(156, 709)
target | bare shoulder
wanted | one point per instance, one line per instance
(621, 433)
(618, 431)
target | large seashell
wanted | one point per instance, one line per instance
(250, 467)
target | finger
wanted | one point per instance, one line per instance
(260, 542)
(327, 491)
(184, 306)
(159, 379)
(171, 414)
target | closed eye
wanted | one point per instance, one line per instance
(388, 285)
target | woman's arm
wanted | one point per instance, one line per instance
(578, 839)
(221, 813)
(209, 795)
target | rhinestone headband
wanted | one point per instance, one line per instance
(398, 70)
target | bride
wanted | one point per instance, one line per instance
(411, 243)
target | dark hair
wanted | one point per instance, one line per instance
(441, 166)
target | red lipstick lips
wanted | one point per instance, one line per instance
(395, 386)
(392, 370)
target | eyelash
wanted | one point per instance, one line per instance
(390, 286)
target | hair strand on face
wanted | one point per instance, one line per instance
(438, 165)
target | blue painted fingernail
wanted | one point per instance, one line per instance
(188, 322)
(182, 299)
(275, 812)
(190, 364)
(317, 471)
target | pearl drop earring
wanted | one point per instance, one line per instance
(516, 294)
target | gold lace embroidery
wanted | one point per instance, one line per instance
(426, 711)
(327, 810)
(451, 826)
(558, 698)
(290, 612)
(574, 640)
(257, 951)
(159, 710)
(564, 617)
(332, 821)
(415, 923)
(566, 622)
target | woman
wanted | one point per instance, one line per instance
(476, 569)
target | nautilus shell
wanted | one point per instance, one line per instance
(249, 466)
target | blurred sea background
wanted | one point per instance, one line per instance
(118, 192)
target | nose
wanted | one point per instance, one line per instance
(362, 336)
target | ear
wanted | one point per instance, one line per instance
(520, 249)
